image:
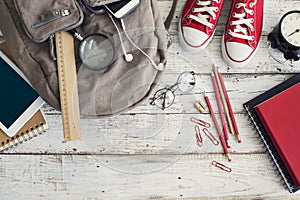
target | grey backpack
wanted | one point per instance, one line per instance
(28, 27)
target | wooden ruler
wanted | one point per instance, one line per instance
(68, 85)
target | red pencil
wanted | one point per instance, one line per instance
(217, 126)
(220, 108)
(230, 108)
(225, 106)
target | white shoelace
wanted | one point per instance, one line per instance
(239, 31)
(206, 8)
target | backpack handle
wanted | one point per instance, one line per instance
(171, 15)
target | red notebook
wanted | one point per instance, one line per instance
(280, 115)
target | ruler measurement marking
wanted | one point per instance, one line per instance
(68, 86)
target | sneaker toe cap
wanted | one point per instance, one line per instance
(194, 37)
(238, 52)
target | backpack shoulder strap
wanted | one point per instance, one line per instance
(171, 15)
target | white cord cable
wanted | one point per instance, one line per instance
(159, 67)
(128, 56)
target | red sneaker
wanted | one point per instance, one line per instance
(198, 22)
(242, 33)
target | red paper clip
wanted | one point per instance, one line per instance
(198, 136)
(211, 137)
(200, 122)
(221, 166)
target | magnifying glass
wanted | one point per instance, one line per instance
(96, 51)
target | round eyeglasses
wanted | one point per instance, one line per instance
(164, 98)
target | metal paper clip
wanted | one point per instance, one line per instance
(198, 136)
(221, 166)
(200, 122)
(211, 137)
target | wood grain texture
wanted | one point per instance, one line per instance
(134, 177)
(148, 153)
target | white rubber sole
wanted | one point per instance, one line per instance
(189, 48)
(232, 63)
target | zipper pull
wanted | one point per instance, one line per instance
(51, 16)
(52, 47)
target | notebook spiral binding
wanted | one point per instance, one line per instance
(23, 136)
(272, 150)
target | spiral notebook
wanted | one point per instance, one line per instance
(276, 116)
(20, 106)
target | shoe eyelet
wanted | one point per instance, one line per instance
(233, 14)
(252, 38)
(189, 16)
(217, 9)
(231, 23)
(252, 12)
(193, 10)
(212, 26)
(237, 6)
(214, 18)
(252, 20)
(251, 5)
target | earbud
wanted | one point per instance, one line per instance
(128, 57)
(159, 67)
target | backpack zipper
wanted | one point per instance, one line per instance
(64, 29)
(52, 16)
(52, 47)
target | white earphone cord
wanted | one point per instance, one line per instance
(159, 67)
(128, 57)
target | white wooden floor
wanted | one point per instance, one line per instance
(152, 154)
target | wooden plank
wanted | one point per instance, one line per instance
(138, 134)
(239, 87)
(149, 130)
(136, 177)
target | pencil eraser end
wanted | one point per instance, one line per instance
(229, 158)
(228, 144)
(239, 139)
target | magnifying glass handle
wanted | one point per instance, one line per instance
(76, 35)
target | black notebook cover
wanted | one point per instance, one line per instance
(249, 106)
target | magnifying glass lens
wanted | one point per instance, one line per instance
(96, 52)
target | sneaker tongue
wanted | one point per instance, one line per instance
(240, 11)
